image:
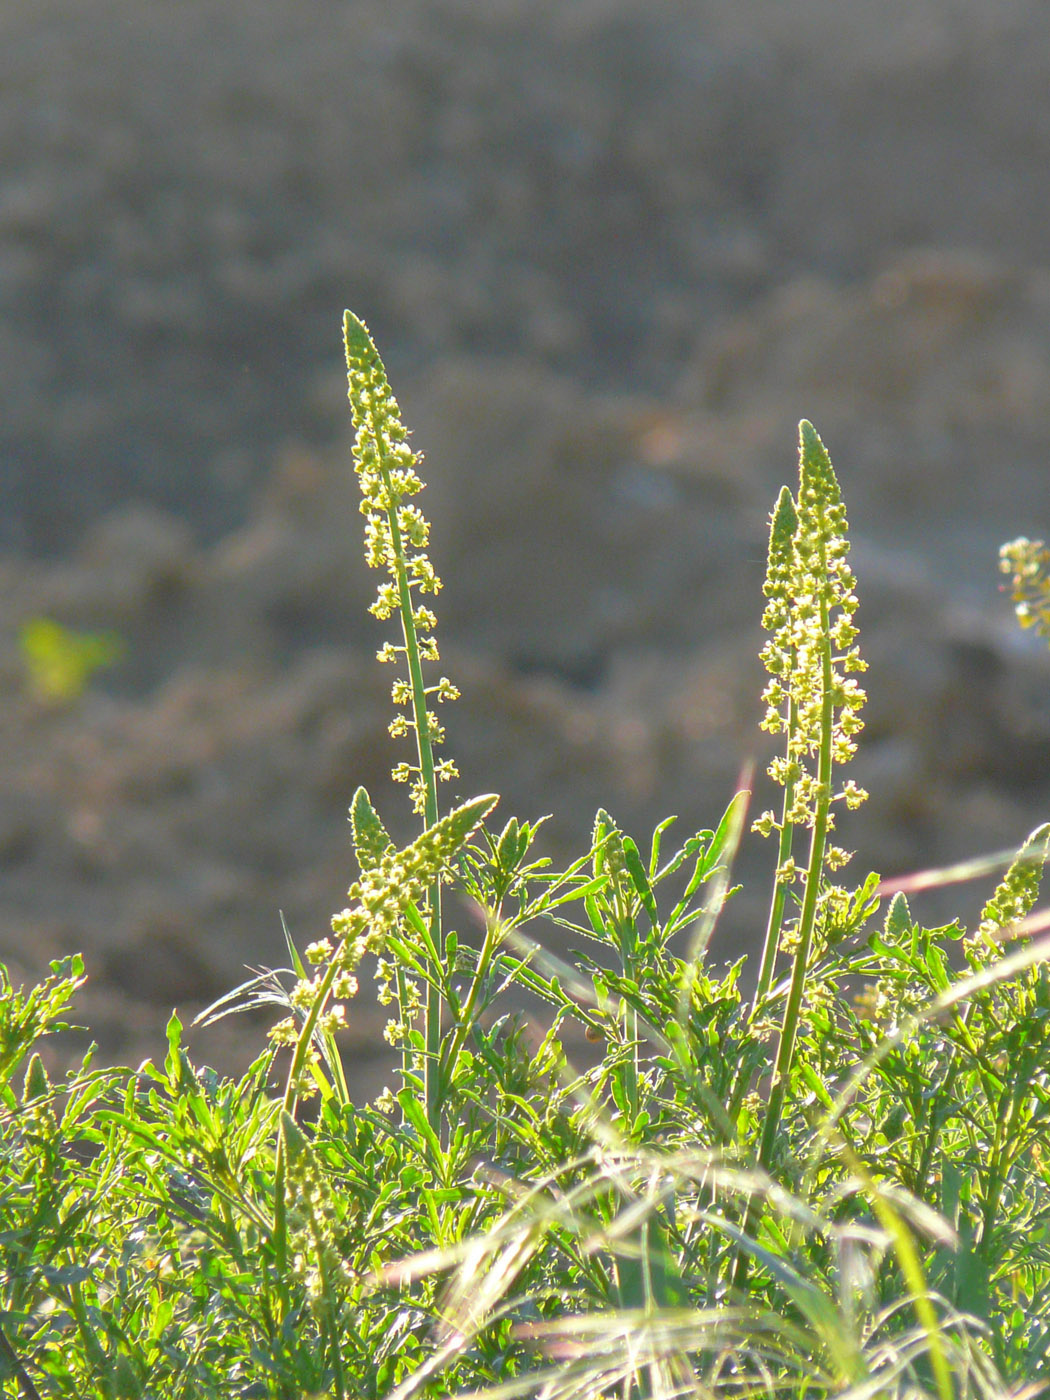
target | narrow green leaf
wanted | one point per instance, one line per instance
(654, 849)
(569, 896)
(640, 879)
(508, 848)
(595, 917)
(692, 848)
(727, 828)
(814, 1082)
(415, 1115)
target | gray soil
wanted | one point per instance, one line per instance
(612, 251)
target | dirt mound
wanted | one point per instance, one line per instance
(193, 192)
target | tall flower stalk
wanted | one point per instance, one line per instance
(396, 535)
(394, 886)
(813, 700)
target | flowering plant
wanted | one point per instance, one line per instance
(834, 1185)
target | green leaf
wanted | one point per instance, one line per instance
(647, 1273)
(176, 1062)
(603, 824)
(412, 1108)
(727, 828)
(590, 887)
(598, 924)
(509, 848)
(694, 847)
(654, 852)
(865, 901)
(814, 1082)
(640, 879)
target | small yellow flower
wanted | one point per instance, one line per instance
(344, 987)
(764, 824)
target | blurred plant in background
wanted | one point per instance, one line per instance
(1028, 564)
(60, 662)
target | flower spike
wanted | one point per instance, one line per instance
(396, 536)
(811, 654)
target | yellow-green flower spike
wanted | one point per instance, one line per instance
(811, 696)
(812, 699)
(779, 661)
(775, 619)
(390, 880)
(1028, 564)
(1018, 890)
(811, 602)
(378, 899)
(396, 536)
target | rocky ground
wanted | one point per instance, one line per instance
(612, 253)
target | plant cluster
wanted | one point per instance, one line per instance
(835, 1184)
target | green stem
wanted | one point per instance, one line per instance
(807, 919)
(302, 1048)
(941, 1105)
(627, 937)
(776, 911)
(424, 748)
(465, 1019)
(15, 1368)
(306, 1034)
(744, 1078)
(402, 1005)
(1006, 1133)
(938, 1116)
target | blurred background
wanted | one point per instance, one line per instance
(612, 251)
